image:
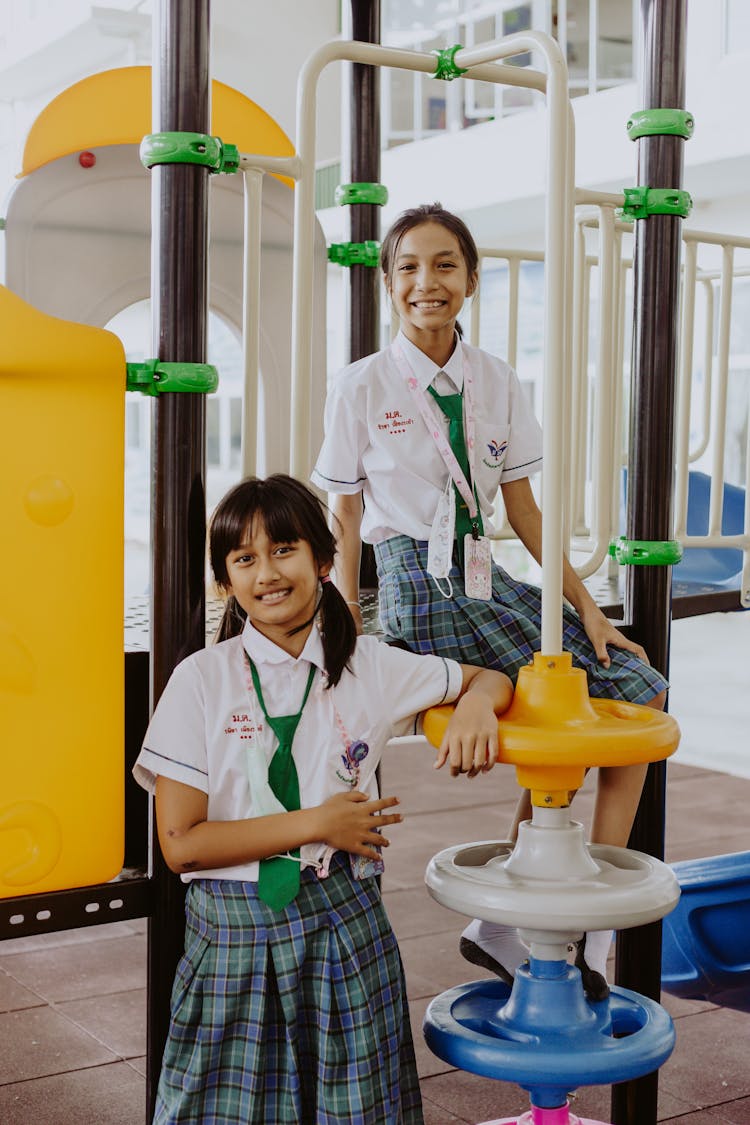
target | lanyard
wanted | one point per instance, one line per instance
(436, 432)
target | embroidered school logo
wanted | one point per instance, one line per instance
(497, 453)
(355, 754)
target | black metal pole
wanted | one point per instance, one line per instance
(365, 168)
(179, 288)
(365, 217)
(656, 273)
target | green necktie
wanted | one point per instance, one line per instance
(278, 880)
(452, 407)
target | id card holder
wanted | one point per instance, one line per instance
(477, 567)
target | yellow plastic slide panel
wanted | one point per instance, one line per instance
(61, 602)
(114, 108)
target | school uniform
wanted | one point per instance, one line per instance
(376, 442)
(296, 1015)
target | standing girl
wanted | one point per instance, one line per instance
(289, 1004)
(419, 437)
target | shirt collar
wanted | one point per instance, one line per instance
(425, 369)
(263, 651)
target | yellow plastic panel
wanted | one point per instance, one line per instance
(61, 602)
(114, 108)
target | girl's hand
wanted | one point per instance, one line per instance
(470, 740)
(601, 632)
(350, 821)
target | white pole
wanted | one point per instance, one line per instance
(253, 191)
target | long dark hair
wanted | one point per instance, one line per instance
(415, 217)
(289, 511)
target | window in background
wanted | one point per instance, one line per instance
(736, 26)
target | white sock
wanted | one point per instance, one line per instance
(596, 950)
(500, 941)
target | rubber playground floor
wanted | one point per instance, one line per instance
(72, 1005)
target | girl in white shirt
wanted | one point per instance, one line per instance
(403, 483)
(289, 1004)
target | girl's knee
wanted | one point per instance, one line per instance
(659, 701)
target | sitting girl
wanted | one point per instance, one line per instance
(419, 438)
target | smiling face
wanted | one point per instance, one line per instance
(276, 584)
(428, 285)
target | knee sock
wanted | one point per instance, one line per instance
(596, 950)
(499, 941)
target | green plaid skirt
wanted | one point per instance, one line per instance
(503, 633)
(289, 1017)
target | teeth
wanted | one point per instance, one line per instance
(428, 304)
(276, 596)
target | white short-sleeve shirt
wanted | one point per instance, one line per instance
(377, 443)
(207, 718)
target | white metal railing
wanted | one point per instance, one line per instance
(715, 414)
(599, 384)
(600, 388)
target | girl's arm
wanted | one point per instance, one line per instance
(470, 741)
(191, 842)
(347, 508)
(525, 518)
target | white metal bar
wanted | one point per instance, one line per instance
(685, 384)
(745, 582)
(251, 282)
(602, 454)
(708, 367)
(713, 238)
(617, 400)
(580, 385)
(593, 44)
(568, 341)
(737, 542)
(278, 165)
(720, 416)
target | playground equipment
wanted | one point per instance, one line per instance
(554, 888)
(78, 240)
(77, 247)
(61, 660)
(175, 622)
(706, 947)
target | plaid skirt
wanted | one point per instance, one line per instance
(293, 1017)
(503, 633)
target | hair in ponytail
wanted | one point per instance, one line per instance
(288, 511)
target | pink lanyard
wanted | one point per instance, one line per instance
(438, 436)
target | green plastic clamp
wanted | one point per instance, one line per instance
(361, 193)
(646, 552)
(354, 253)
(660, 122)
(640, 202)
(446, 66)
(189, 148)
(2, 224)
(154, 377)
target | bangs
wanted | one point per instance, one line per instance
(286, 510)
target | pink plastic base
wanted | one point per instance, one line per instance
(537, 1116)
